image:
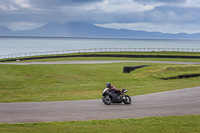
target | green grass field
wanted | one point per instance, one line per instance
(32, 83)
(170, 124)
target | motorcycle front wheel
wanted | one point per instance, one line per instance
(127, 99)
(107, 100)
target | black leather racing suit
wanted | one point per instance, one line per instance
(114, 93)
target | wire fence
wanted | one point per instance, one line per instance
(98, 50)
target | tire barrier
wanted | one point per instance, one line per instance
(182, 76)
(128, 69)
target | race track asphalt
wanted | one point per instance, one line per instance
(176, 102)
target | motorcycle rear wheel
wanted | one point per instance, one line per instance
(127, 99)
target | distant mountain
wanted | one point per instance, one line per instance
(4, 31)
(80, 29)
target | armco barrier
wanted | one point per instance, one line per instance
(105, 55)
(98, 50)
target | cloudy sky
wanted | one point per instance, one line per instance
(167, 16)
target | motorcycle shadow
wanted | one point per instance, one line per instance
(119, 104)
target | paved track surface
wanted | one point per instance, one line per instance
(99, 62)
(177, 102)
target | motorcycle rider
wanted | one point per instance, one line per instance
(114, 92)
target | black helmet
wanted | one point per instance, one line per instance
(108, 85)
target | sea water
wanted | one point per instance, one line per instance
(14, 45)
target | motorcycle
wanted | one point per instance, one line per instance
(107, 97)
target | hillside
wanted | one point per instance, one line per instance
(80, 29)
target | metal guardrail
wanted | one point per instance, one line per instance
(98, 50)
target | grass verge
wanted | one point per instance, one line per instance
(33, 83)
(109, 58)
(170, 124)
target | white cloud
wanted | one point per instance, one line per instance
(15, 26)
(172, 16)
(89, 8)
(122, 6)
(7, 6)
(23, 3)
(4, 7)
(192, 3)
(11, 5)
